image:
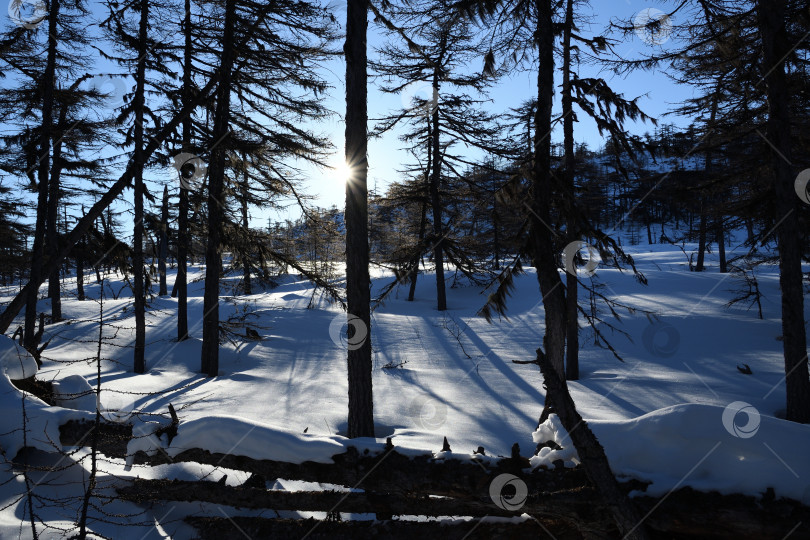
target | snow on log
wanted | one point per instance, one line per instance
(231, 435)
(16, 362)
(35, 426)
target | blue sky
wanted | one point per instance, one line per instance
(658, 93)
(386, 157)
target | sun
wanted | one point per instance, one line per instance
(343, 172)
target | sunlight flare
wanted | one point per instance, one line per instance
(343, 172)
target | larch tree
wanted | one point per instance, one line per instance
(772, 17)
(140, 51)
(358, 282)
(431, 48)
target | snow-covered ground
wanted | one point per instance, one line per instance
(676, 412)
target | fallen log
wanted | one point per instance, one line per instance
(388, 471)
(685, 513)
(564, 495)
(239, 527)
(566, 505)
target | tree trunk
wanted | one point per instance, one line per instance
(701, 238)
(80, 273)
(51, 233)
(137, 253)
(436, 202)
(496, 241)
(209, 360)
(540, 236)
(749, 227)
(721, 245)
(358, 284)
(591, 453)
(181, 281)
(423, 218)
(163, 252)
(37, 251)
(571, 280)
(80, 266)
(415, 262)
(245, 225)
(707, 167)
(771, 14)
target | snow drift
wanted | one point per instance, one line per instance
(701, 446)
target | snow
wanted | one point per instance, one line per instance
(16, 361)
(552, 430)
(236, 436)
(41, 421)
(659, 414)
(144, 440)
(697, 445)
(74, 392)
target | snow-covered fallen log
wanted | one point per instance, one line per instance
(565, 504)
(375, 466)
(562, 494)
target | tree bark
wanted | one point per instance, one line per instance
(415, 262)
(771, 15)
(245, 225)
(540, 236)
(51, 233)
(701, 238)
(209, 360)
(358, 284)
(591, 454)
(181, 281)
(163, 251)
(37, 251)
(708, 168)
(572, 282)
(139, 101)
(721, 245)
(436, 201)
(423, 218)
(80, 272)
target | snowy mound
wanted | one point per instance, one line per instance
(41, 421)
(74, 392)
(229, 435)
(727, 449)
(16, 361)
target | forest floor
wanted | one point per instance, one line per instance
(669, 413)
